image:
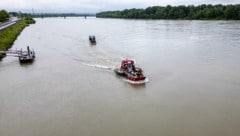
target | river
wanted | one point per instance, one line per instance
(193, 69)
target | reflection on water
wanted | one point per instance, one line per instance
(26, 64)
(71, 89)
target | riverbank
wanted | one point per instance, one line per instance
(200, 12)
(10, 34)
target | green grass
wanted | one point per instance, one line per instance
(9, 34)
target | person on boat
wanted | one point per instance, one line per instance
(129, 68)
(134, 68)
(135, 73)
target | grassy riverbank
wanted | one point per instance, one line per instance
(9, 34)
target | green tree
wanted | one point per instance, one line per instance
(231, 12)
(3, 16)
(179, 12)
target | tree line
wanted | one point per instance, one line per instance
(211, 12)
(4, 16)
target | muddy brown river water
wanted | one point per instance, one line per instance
(70, 90)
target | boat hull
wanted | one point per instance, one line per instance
(26, 59)
(129, 76)
(138, 82)
(93, 42)
(134, 78)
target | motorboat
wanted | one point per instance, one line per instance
(92, 39)
(130, 72)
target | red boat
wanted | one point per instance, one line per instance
(130, 72)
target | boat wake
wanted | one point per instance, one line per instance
(137, 82)
(99, 66)
(111, 68)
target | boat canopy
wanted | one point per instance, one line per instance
(124, 62)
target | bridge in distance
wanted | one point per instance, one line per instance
(42, 15)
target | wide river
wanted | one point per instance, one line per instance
(71, 90)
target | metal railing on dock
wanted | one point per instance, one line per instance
(14, 53)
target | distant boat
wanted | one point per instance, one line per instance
(26, 56)
(92, 39)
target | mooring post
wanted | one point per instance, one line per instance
(28, 49)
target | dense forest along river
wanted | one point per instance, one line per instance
(70, 89)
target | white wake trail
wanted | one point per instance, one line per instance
(99, 66)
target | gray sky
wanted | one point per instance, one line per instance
(93, 6)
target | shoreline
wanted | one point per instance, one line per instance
(10, 34)
(182, 12)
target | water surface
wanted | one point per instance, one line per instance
(70, 89)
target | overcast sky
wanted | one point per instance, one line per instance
(93, 6)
